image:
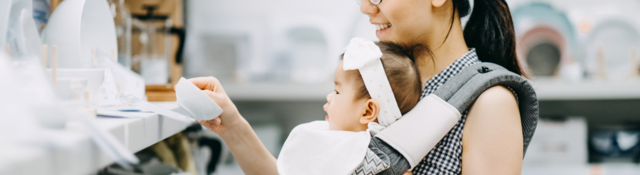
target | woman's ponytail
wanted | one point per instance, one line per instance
(490, 30)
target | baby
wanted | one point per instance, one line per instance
(375, 84)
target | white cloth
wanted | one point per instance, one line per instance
(313, 149)
(196, 102)
(364, 56)
(422, 127)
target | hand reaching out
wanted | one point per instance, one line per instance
(212, 87)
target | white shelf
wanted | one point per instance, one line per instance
(548, 90)
(582, 169)
(290, 92)
(71, 151)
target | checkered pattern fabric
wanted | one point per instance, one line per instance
(446, 157)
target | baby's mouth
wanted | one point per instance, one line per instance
(326, 117)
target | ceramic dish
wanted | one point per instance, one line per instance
(78, 26)
(545, 39)
(94, 77)
(5, 7)
(21, 33)
(610, 48)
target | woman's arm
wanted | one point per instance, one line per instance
(492, 140)
(252, 156)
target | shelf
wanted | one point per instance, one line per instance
(278, 92)
(71, 151)
(553, 90)
(582, 169)
(546, 89)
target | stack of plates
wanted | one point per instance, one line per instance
(545, 39)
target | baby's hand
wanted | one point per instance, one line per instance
(212, 87)
(407, 173)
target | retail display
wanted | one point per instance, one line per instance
(546, 41)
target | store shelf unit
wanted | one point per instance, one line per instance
(546, 89)
(278, 92)
(71, 151)
(553, 90)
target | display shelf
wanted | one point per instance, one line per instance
(71, 151)
(546, 90)
(551, 90)
(278, 92)
(582, 169)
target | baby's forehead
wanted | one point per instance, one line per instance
(346, 77)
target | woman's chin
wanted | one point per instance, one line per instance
(383, 35)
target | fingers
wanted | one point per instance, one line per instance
(207, 83)
(217, 97)
(211, 124)
(216, 121)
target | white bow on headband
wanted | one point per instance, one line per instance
(364, 56)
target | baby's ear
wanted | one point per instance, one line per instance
(372, 109)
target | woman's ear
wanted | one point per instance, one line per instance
(438, 3)
(372, 109)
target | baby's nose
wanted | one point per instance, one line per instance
(325, 107)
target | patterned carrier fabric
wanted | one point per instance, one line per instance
(446, 157)
(372, 165)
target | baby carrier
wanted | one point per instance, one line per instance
(402, 145)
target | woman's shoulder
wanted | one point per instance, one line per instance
(494, 116)
(496, 96)
(496, 102)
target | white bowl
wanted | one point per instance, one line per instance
(94, 77)
(78, 26)
(71, 88)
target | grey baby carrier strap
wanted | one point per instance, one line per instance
(461, 91)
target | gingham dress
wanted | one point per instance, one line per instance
(446, 157)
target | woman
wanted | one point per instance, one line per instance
(493, 136)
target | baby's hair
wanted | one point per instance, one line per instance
(402, 74)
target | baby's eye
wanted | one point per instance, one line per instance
(336, 92)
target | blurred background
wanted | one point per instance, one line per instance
(276, 61)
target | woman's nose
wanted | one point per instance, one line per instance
(368, 9)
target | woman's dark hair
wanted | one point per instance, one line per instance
(490, 30)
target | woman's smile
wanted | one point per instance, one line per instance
(381, 29)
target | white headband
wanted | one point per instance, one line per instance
(364, 56)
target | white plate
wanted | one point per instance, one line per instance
(78, 26)
(5, 7)
(21, 33)
(616, 40)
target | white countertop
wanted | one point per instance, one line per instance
(71, 151)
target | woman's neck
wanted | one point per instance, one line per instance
(443, 53)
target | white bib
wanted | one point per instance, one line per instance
(313, 149)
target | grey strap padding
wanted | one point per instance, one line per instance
(462, 90)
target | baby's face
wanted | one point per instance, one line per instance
(343, 108)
